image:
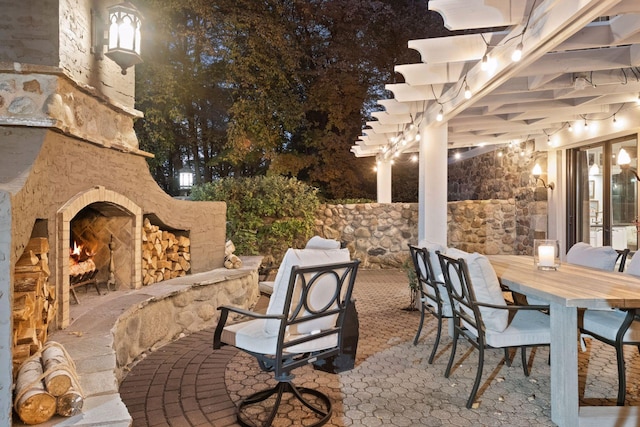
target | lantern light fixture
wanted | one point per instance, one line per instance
(120, 34)
(185, 176)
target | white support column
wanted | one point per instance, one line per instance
(432, 189)
(384, 181)
(6, 330)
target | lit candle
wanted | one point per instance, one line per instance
(546, 255)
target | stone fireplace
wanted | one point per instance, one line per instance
(70, 161)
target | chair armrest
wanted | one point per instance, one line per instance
(224, 314)
(513, 307)
(248, 313)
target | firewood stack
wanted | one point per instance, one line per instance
(164, 255)
(47, 384)
(34, 301)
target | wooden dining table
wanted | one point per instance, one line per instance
(567, 289)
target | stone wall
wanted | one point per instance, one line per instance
(505, 175)
(375, 233)
(484, 226)
(494, 208)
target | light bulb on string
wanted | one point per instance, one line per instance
(586, 124)
(414, 158)
(418, 137)
(570, 128)
(467, 91)
(440, 115)
(517, 54)
(484, 65)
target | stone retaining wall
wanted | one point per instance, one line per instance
(378, 233)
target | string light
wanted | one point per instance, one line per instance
(440, 115)
(418, 137)
(484, 65)
(570, 128)
(414, 158)
(586, 124)
(467, 91)
(517, 54)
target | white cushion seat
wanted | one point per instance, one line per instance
(250, 336)
(607, 323)
(528, 327)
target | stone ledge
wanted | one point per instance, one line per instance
(109, 332)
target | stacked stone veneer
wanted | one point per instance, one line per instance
(375, 233)
(494, 208)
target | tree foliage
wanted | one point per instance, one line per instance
(266, 215)
(281, 87)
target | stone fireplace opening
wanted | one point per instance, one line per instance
(100, 247)
(105, 227)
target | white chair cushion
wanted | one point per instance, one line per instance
(607, 324)
(528, 327)
(317, 242)
(303, 258)
(251, 336)
(603, 257)
(486, 287)
(633, 265)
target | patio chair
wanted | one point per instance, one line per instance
(316, 242)
(304, 323)
(617, 328)
(483, 318)
(434, 298)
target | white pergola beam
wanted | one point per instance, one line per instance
(431, 74)
(467, 14)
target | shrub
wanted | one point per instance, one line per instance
(266, 215)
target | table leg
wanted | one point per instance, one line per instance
(564, 365)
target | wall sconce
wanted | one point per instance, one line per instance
(536, 172)
(122, 37)
(624, 161)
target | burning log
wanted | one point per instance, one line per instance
(33, 404)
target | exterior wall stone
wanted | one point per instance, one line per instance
(494, 208)
(375, 233)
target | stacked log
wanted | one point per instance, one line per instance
(34, 301)
(47, 384)
(165, 255)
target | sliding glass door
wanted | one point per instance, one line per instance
(603, 191)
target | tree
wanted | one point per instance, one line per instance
(282, 87)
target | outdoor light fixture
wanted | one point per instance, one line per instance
(536, 172)
(185, 176)
(517, 54)
(624, 161)
(467, 91)
(120, 33)
(440, 115)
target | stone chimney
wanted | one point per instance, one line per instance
(67, 143)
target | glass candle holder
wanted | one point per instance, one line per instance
(546, 254)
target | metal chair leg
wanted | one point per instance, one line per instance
(452, 355)
(415, 340)
(525, 365)
(622, 380)
(476, 383)
(437, 341)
